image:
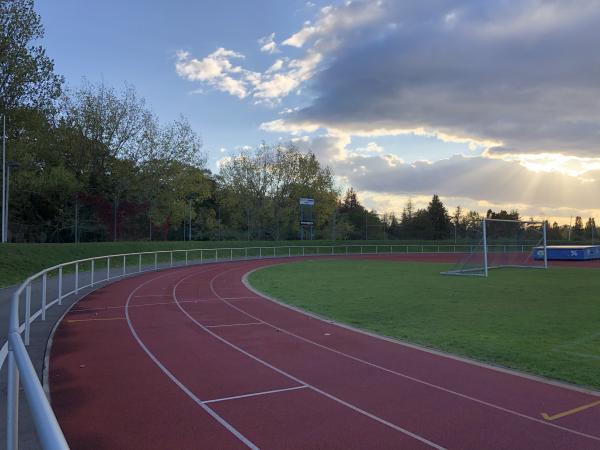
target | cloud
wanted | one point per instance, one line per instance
(480, 182)
(268, 44)
(518, 75)
(216, 70)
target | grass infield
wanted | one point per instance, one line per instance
(543, 322)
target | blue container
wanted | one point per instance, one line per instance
(568, 252)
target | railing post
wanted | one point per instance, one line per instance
(231, 255)
(376, 249)
(60, 277)
(246, 253)
(289, 251)
(361, 250)
(260, 252)
(107, 269)
(124, 264)
(332, 249)
(438, 249)
(76, 277)
(171, 259)
(44, 283)
(186, 257)
(92, 273)
(346, 250)
(12, 402)
(302, 251)
(274, 252)
(201, 256)
(140, 262)
(155, 261)
(27, 313)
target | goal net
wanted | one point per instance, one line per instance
(504, 243)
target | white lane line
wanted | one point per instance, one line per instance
(234, 325)
(403, 375)
(255, 394)
(200, 300)
(302, 382)
(174, 379)
(240, 298)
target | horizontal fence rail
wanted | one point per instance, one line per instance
(90, 272)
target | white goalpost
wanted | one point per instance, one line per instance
(505, 243)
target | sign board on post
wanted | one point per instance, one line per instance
(307, 220)
(307, 201)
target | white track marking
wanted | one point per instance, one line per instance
(174, 379)
(234, 325)
(400, 374)
(240, 298)
(299, 381)
(255, 394)
(200, 300)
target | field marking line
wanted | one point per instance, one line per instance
(173, 378)
(570, 412)
(255, 394)
(234, 325)
(94, 320)
(408, 377)
(299, 381)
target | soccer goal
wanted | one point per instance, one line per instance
(504, 243)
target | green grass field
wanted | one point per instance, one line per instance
(543, 322)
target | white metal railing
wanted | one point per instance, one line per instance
(21, 369)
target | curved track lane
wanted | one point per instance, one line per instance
(191, 358)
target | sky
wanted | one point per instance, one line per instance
(490, 104)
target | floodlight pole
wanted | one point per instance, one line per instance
(4, 237)
(485, 249)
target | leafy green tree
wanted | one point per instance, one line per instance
(27, 77)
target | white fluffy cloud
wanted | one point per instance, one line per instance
(268, 44)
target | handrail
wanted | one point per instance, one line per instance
(21, 367)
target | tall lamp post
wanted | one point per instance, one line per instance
(10, 166)
(4, 216)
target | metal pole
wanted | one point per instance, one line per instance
(6, 203)
(60, 271)
(27, 313)
(190, 232)
(12, 402)
(92, 273)
(76, 218)
(545, 249)
(485, 251)
(76, 277)
(44, 283)
(140, 262)
(124, 264)
(4, 237)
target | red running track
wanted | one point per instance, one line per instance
(191, 358)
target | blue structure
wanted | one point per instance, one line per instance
(568, 252)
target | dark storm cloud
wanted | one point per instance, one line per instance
(526, 74)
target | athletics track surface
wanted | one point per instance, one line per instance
(191, 358)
